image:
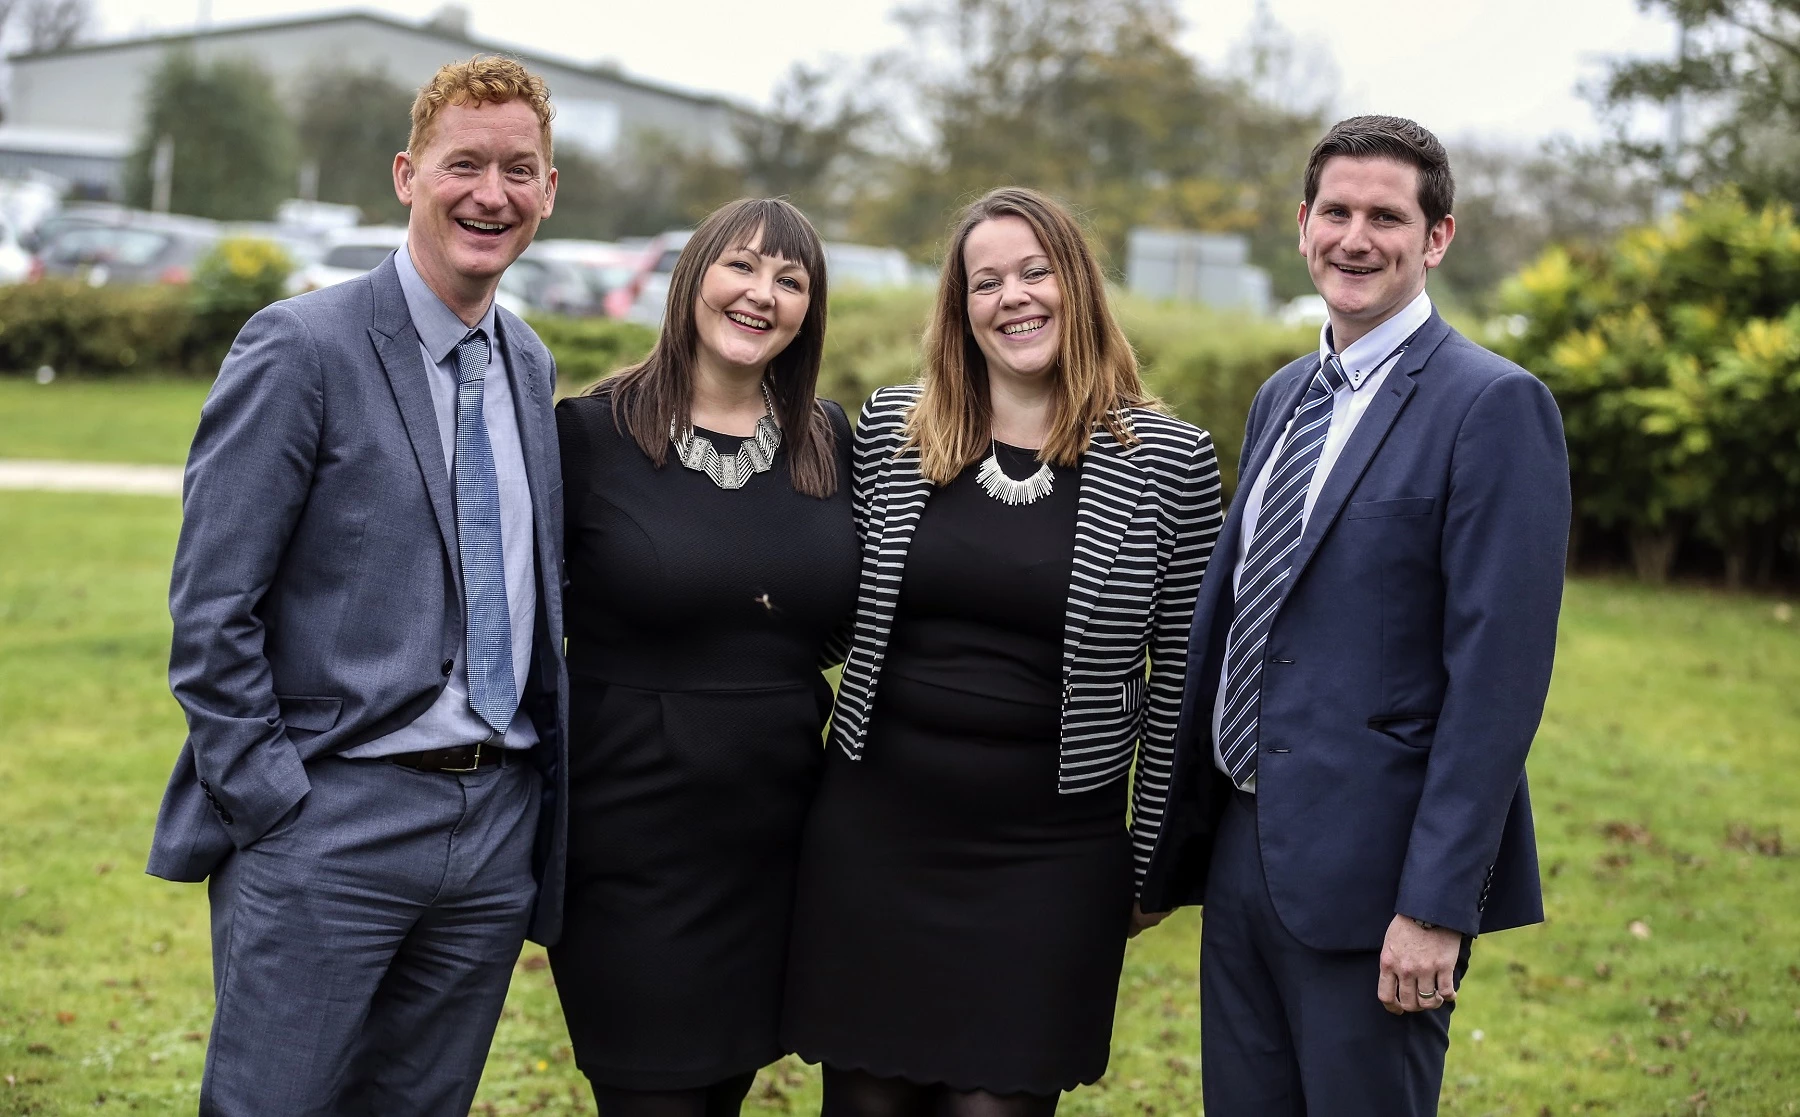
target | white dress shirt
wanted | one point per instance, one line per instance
(1366, 363)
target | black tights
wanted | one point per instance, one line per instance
(854, 1093)
(721, 1099)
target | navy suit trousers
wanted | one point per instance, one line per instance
(1289, 1031)
(362, 948)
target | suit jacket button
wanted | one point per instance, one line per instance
(449, 666)
(225, 816)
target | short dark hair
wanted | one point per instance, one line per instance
(1389, 137)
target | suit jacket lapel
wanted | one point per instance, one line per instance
(1371, 431)
(397, 342)
(1111, 486)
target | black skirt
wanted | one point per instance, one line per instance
(958, 921)
(685, 815)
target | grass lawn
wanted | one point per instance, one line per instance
(1666, 781)
(146, 421)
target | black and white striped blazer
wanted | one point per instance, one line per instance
(1144, 529)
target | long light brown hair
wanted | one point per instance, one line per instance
(659, 390)
(1096, 373)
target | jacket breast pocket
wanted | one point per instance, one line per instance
(1404, 506)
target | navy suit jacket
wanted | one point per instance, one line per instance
(316, 593)
(1407, 663)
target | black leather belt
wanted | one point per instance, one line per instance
(460, 758)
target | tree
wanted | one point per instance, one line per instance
(351, 125)
(55, 24)
(1736, 82)
(1092, 100)
(233, 141)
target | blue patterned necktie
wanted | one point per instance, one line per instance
(487, 623)
(1267, 566)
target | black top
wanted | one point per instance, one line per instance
(986, 587)
(678, 584)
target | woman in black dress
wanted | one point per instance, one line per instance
(711, 559)
(1034, 532)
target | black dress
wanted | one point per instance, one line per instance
(959, 922)
(696, 620)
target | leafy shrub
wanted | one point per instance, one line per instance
(587, 349)
(72, 327)
(1675, 358)
(236, 278)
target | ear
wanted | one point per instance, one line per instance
(1300, 219)
(403, 177)
(549, 194)
(1437, 242)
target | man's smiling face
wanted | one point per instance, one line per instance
(1366, 242)
(477, 192)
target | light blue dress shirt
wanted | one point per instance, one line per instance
(450, 721)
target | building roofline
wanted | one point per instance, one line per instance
(438, 32)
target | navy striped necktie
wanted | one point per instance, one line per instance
(487, 622)
(1270, 560)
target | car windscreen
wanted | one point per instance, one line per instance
(133, 248)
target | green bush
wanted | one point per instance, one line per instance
(587, 349)
(72, 327)
(1675, 357)
(236, 278)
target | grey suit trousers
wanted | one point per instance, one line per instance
(363, 947)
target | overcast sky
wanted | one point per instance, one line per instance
(1500, 70)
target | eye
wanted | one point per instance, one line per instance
(985, 285)
(739, 265)
(1033, 274)
(792, 283)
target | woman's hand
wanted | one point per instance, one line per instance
(1142, 922)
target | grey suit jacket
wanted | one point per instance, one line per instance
(316, 594)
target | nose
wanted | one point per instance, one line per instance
(761, 290)
(489, 190)
(1013, 292)
(1356, 239)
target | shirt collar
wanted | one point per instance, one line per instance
(440, 330)
(1366, 354)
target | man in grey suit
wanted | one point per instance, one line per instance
(368, 633)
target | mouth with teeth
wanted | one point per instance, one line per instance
(1025, 328)
(483, 228)
(1354, 271)
(749, 321)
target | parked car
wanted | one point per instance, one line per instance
(353, 252)
(15, 262)
(863, 265)
(649, 289)
(348, 254)
(603, 266)
(145, 248)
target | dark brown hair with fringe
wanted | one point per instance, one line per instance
(658, 391)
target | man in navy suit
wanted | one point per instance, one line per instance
(1368, 664)
(368, 646)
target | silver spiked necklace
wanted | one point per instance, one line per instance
(730, 471)
(997, 484)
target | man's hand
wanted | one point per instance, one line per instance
(1142, 922)
(1418, 967)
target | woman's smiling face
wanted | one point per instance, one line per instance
(750, 306)
(1014, 302)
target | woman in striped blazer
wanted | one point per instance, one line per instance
(1034, 530)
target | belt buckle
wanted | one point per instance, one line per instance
(474, 765)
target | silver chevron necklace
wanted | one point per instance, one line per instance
(1006, 490)
(730, 471)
